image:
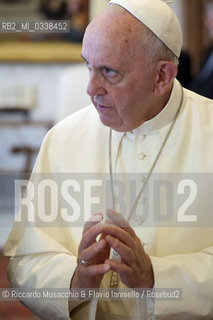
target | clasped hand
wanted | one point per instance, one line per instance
(135, 267)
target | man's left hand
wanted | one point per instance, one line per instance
(135, 268)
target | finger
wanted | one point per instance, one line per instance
(90, 236)
(94, 219)
(120, 234)
(90, 252)
(119, 221)
(95, 270)
(121, 268)
(126, 253)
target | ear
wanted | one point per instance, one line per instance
(166, 72)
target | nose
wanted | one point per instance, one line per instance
(95, 85)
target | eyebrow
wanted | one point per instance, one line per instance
(104, 66)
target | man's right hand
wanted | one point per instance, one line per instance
(94, 253)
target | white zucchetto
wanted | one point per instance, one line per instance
(159, 18)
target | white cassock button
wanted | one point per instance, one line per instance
(142, 137)
(141, 156)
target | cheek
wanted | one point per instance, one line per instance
(121, 100)
(128, 97)
(123, 94)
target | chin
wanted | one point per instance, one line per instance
(113, 126)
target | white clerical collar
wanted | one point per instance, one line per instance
(164, 117)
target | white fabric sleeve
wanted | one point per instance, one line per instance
(45, 271)
(193, 274)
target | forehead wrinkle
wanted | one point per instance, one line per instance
(119, 34)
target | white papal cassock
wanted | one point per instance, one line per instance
(182, 257)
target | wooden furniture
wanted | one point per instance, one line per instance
(26, 149)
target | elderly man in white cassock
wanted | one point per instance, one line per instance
(143, 122)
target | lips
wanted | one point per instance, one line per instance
(103, 108)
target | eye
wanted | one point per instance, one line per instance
(109, 73)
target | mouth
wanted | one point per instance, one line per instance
(102, 108)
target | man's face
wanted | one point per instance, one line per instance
(121, 83)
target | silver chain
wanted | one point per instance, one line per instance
(114, 281)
